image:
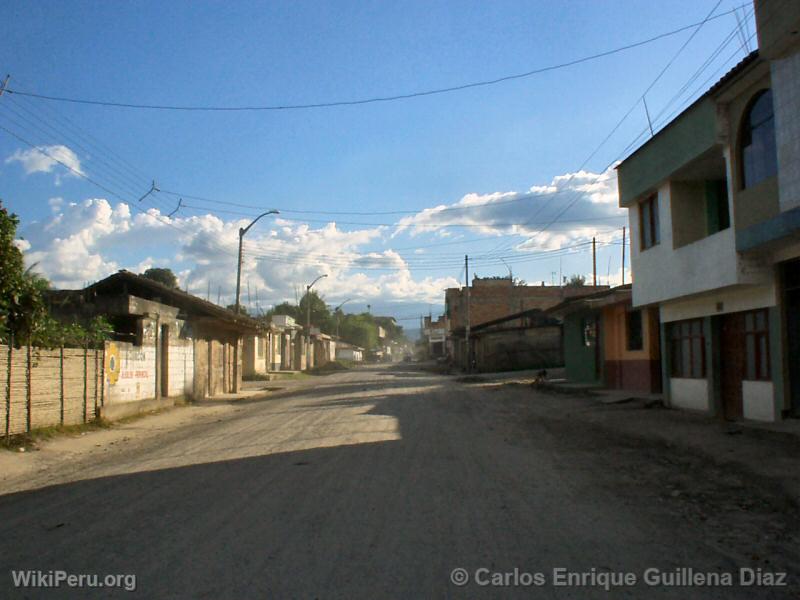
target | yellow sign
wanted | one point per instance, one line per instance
(112, 364)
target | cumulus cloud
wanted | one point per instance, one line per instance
(573, 207)
(46, 159)
(86, 241)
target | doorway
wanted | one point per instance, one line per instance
(791, 291)
(732, 365)
(164, 361)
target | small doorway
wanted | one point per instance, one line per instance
(732, 365)
(164, 361)
(791, 291)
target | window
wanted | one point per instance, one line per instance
(634, 329)
(648, 222)
(687, 349)
(717, 215)
(756, 339)
(758, 155)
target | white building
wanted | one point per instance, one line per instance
(714, 211)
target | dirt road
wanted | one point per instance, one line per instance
(379, 483)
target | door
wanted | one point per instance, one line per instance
(791, 285)
(164, 361)
(732, 364)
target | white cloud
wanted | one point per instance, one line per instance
(573, 207)
(45, 159)
(86, 241)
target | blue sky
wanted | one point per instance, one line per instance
(482, 145)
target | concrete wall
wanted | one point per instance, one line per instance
(720, 302)
(786, 98)
(690, 394)
(663, 272)
(137, 374)
(758, 400)
(686, 138)
(637, 370)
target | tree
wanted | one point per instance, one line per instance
(162, 275)
(24, 317)
(576, 281)
(21, 303)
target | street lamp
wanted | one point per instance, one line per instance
(308, 319)
(335, 311)
(242, 231)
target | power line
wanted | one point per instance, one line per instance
(504, 246)
(388, 98)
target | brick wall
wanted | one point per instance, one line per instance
(496, 298)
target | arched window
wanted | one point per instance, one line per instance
(758, 154)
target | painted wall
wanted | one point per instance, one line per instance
(686, 138)
(637, 370)
(720, 302)
(579, 359)
(786, 98)
(690, 394)
(663, 273)
(137, 373)
(758, 400)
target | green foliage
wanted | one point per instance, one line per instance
(576, 281)
(162, 275)
(23, 312)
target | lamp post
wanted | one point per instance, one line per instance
(242, 231)
(308, 319)
(335, 311)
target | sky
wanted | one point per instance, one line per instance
(384, 198)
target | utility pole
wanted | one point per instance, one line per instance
(623, 256)
(594, 263)
(219, 295)
(208, 291)
(242, 232)
(466, 275)
(308, 320)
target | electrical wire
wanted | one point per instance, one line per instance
(388, 98)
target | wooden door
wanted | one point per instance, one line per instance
(732, 364)
(791, 282)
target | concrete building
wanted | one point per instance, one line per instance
(168, 345)
(434, 336)
(349, 352)
(277, 346)
(608, 342)
(714, 211)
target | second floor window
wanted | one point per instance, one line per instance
(758, 155)
(648, 222)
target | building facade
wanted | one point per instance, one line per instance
(608, 342)
(714, 210)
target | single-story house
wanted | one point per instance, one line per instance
(608, 342)
(167, 344)
(349, 352)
